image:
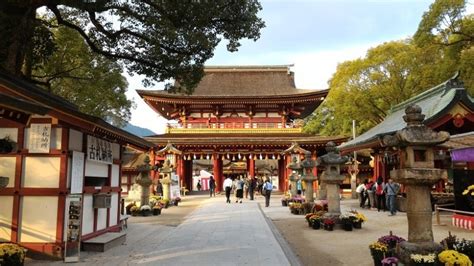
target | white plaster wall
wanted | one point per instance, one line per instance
(114, 209)
(38, 219)
(260, 115)
(116, 151)
(114, 182)
(12, 133)
(97, 169)
(41, 172)
(69, 166)
(101, 218)
(6, 214)
(56, 137)
(75, 140)
(87, 215)
(124, 188)
(7, 168)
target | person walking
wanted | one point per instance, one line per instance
(246, 186)
(212, 186)
(239, 187)
(379, 194)
(227, 186)
(391, 191)
(252, 187)
(199, 185)
(370, 194)
(267, 190)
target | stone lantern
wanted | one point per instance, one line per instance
(332, 162)
(308, 177)
(144, 181)
(416, 144)
(170, 152)
(294, 165)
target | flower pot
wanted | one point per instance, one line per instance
(377, 261)
(357, 225)
(156, 211)
(316, 225)
(145, 213)
(329, 227)
(347, 226)
(284, 203)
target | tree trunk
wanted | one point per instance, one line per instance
(16, 33)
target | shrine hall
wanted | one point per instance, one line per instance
(239, 120)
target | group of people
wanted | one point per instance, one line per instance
(248, 186)
(378, 194)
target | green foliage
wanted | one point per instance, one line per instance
(92, 82)
(365, 89)
(160, 40)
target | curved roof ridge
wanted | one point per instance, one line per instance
(452, 83)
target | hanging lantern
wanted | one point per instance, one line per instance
(212, 157)
(266, 156)
(228, 156)
(233, 157)
(194, 156)
(250, 156)
(245, 158)
(208, 157)
(274, 157)
(278, 157)
(239, 156)
(261, 157)
(202, 156)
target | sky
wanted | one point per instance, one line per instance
(314, 35)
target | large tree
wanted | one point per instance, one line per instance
(365, 89)
(159, 39)
(91, 81)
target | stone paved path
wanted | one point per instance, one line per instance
(216, 233)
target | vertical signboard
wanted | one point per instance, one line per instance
(40, 138)
(99, 150)
(77, 172)
(73, 222)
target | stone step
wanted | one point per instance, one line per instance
(104, 242)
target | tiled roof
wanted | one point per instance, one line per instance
(222, 81)
(434, 103)
(25, 91)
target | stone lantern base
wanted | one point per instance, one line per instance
(407, 248)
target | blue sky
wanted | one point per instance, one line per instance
(314, 36)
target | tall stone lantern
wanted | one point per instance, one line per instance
(143, 179)
(170, 152)
(332, 162)
(416, 144)
(294, 150)
(308, 177)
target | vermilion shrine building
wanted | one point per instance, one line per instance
(236, 116)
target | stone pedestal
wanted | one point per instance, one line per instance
(293, 179)
(323, 193)
(166, 187)
(144, 181)
(334, 202)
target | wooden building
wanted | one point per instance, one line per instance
(447, 107)
(53, 154)
(238, 114)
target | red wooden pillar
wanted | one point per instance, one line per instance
(281, 174)
(252, 166)
(180, 169)
(216, 172)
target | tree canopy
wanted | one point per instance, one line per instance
(365, 89)
(160, 40)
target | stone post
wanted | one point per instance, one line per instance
(308, 164)
(166, 180)
(144, 181)
(294, 177)
(416, 144)
(332, 162)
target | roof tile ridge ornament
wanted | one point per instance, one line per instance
(295, 148)
(415, 133)
(454, 82)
